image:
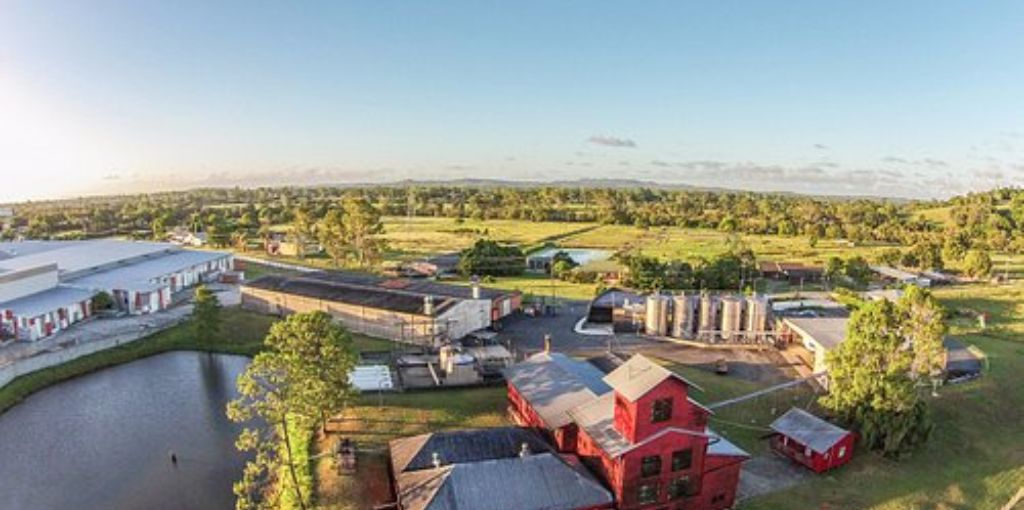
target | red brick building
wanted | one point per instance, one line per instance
(636, 427)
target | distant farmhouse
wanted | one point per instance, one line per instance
(419, 311)
(45, 286)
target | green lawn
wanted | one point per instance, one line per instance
(975, 458)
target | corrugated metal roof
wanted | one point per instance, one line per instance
(46, 301)
(639, 375)
(809, 430)
(534, 482)
(554, 384)
(79, 256)
(371, 297)
(722, 446)
(598, 419)
(417, 286)
(462, 446)
(139, 275)
(828, 332)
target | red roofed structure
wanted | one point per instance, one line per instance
(636, 427)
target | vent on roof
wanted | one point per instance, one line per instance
(524, 450)
(435, 459)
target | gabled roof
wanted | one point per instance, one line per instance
(554, 384)
(535, 482)
(723, 447)
(827, 332)
(639, 375)
(808, 430)
(462, 446)
(597, 418)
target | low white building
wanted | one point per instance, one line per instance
(45, 286)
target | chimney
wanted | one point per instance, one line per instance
(524, 450)
(436, 460)
(476, 290)
(428, 305)
(547, 342)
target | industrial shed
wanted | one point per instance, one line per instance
(504, 468)
(45, 286)
(397, 314)
(812, 441)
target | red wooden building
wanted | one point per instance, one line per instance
(636, 427)
(811, 441)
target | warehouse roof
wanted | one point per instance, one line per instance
(139, 275)
(828, 332)
(534, 482)
(554, 384)
(415, 286)
(46, 301)
(358, 295)
(809, 430)
(462, 446)
(74, 257)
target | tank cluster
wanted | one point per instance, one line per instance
(709, 317)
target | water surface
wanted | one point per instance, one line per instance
(103, 441)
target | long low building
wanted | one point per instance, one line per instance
(410, 311)
(45, 286)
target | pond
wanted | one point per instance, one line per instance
(104, 440)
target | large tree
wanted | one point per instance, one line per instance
(299, 381)
(206, 318)
(333, 235)
(363, 228)
(876, 375)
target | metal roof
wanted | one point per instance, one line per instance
(415, 286)
(46, 301)
(139, 275)
(371, 297)
(534, 482)
(808, 430)
(827, 332)
(74, 257)
(554, 384)
(638, 375)
(722, 446)
(462, 446)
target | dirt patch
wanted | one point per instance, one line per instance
(368, 486)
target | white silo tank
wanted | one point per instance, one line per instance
(653, 315)
(708, 316)
(758, 316)
(732, 317)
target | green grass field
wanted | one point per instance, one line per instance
(975, 459)
(408, 237)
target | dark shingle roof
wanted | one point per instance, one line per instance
(462, 446)
(554, 384)
(809, 430)
(415, 286)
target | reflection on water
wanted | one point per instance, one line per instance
(103, 441)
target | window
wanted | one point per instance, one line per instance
(682, 459)
(661, 410)
(650, 466)
(680, 488)
(647, 493)
(718, 498)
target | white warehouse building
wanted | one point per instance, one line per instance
(45, 286)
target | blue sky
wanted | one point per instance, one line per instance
(881, 98)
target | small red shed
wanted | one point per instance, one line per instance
(812, 441)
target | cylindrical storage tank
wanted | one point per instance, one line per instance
(708, 316)
(681, 315)
(664, 303)
(758, 316)
(732, 317)
(653, 315)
